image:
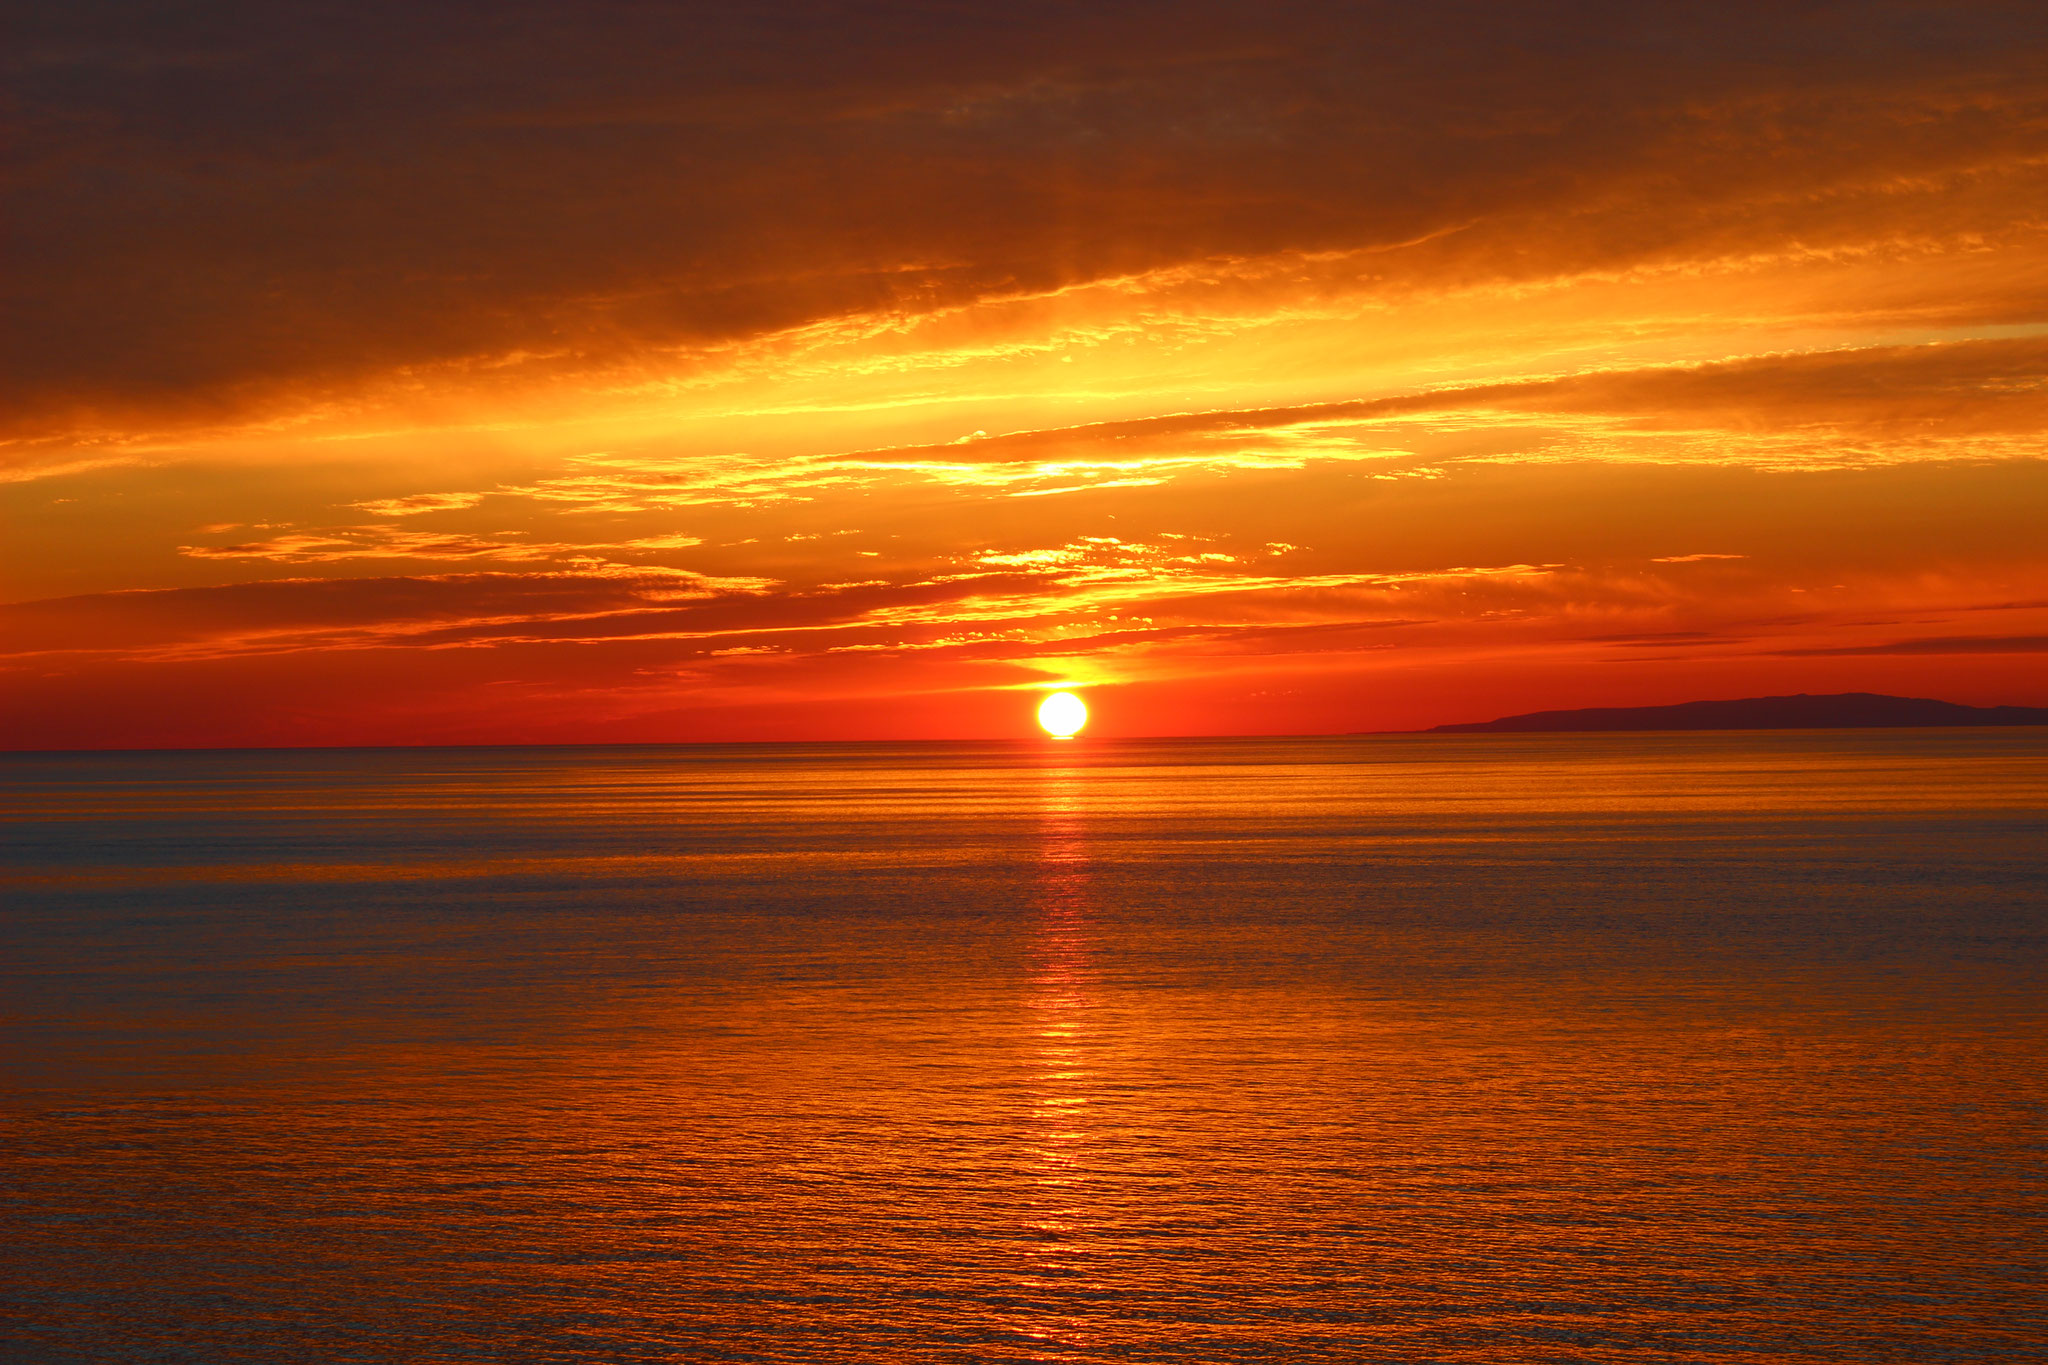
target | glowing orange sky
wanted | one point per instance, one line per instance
(505, 374)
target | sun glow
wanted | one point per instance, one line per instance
(1062, 714)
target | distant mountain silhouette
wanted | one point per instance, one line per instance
(1842, 711)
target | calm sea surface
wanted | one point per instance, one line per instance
(1460, 1048)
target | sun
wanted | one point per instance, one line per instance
(1062, 714)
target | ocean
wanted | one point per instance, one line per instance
(1667, 1047)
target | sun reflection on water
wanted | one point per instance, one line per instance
(1064, 1023)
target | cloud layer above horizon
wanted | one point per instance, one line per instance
(398, 374)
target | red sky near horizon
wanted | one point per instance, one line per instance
(511, 373)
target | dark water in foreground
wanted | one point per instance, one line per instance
(1645, 1048)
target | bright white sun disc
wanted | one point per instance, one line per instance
(1062, 714)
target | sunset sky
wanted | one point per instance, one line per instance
(633, 372)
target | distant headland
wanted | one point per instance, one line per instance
(1840, 711)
